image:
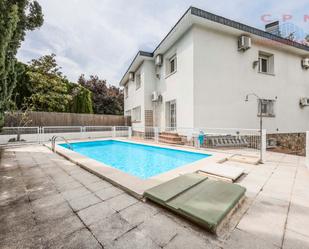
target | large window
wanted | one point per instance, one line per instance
(266, 63)
(138, 81)
(266, 108)
(136, 114)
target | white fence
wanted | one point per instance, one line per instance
(251, 140)
(44, 134)
(216, 138)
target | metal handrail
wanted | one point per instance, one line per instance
(53, 140)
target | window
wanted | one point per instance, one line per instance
(126, 91)
(138, 81)
(266, 63)
(136, 115)
(266, 108)
(171, 65)
(127, 113)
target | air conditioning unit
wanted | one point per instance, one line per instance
(131, 76)
(156, 97)
(304, 102)
(305, 63)
(159, 60)
(244, 43)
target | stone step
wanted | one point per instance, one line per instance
(169, 134)
(167, 141)
(170, 138)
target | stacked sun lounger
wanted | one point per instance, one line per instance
(226, 141)
(199, 199)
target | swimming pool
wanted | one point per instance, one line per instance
(143, 161)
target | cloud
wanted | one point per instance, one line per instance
(102, 36)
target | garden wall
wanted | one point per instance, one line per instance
(66, 119)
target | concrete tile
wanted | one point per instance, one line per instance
(110, 228)
(48, 201)
(60, 228)
(82, 239)
(121, 202)
(108, 193)
(75, 193)
(160, 229)
(84, 202)
(266, 219)
(68, 186)
(138, 213)
(298, 219)
(295, 240)
(96, 186)
(53, 213)
(95, 213)
(240, 239)
(188, 240)
(134, 239)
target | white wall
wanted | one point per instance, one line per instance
(178, 86)
(136, 97)
(223, 76)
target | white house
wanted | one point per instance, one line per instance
(201, 72)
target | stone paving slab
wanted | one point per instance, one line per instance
(121, 202)
(108, 193)
(134, 239)
(266, 219)
(110, 229)
(84, 202)
(242, 240)
(138, 213)
(295, 240)
(95, 213)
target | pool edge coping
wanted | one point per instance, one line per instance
(129, 183)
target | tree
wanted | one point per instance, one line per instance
(48, 86)
(106, 99)
(16, 17)
(81, 99)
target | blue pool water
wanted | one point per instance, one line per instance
(143, 161)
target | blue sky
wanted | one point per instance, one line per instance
(102, 36)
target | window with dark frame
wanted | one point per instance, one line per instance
(266, 63)
(266, 108)
(172, 64)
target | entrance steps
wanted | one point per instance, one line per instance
(170, 138)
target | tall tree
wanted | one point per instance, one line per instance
(106, 99)
(48, 86)
(16, 17)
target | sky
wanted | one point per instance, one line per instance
(101, 37)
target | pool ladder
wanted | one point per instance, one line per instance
(53, 142)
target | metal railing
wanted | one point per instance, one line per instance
(53, 141)
(249, 140)
(10, 135)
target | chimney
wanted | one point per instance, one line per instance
(273, 28)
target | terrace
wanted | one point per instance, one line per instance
(48, 201)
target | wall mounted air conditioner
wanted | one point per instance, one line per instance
(305, 63)
(304, 102)
(159, 60)
(131, 76)
(156, 97)
(244, 43)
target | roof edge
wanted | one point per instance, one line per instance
(139, 53)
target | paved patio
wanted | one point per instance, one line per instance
(48, 202)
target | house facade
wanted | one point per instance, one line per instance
(201, 72)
